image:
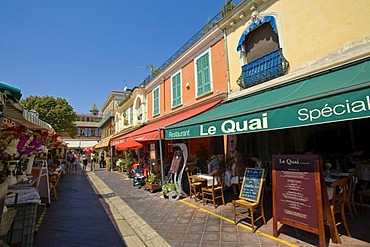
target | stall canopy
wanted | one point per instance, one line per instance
(150, 131)
(11, 109)
(129, 145)
(336, 95)
(9, 97)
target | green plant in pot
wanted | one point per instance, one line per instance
(130, 154)
(167, 188)
(152, 179)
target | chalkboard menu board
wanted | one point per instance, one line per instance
(252, 184)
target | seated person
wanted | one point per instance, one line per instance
(119, 164)
(138, 176)
(214, 164)
(352, 159)
(54, 170)
(257, 161)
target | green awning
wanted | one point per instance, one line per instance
(10, 91)
(12, 109)
(9, 99)
(336, 95)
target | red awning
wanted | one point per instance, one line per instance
(89, 149)
(129, 145)
(150, 131)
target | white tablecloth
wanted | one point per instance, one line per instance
(208, 177)
(25, 195)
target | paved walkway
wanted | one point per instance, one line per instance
(145, 219)
(77, 219)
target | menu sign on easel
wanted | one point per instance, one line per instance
(297, 193)
(252, 184)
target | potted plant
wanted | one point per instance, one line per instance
(129, 162)
(152, 183)
(167, 188)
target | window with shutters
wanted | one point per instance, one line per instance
(176, 90)
(203, 74)
(131, 114)
(156, 101)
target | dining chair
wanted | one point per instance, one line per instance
(239, 171)
(54, 185)
(252, 208)
(337, 204)
(216, 190)
(363, 193)
(194, 187)
(350, 201)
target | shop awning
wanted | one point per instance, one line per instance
(150, 131)
(76, 143)
(102, 144)
(336, 95)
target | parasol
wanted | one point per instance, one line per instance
(129, 145)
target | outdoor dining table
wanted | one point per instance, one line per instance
(340, 174)
(207, 178)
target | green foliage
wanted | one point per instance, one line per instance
(166, 188)
(228, 7)
(55, 111)
(152, 178)
(130, 155)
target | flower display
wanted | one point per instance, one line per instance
(20, 143)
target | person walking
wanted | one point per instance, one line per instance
(69, 163)
(84, 162)
(93, 161)
(102, 161)
(75, 162)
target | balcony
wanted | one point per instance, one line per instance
(105, 118)
(266, 68)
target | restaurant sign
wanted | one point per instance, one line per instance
(345, 106)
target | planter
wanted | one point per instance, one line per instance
(152, 187)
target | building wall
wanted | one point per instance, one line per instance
(187, 68)
(309, 31)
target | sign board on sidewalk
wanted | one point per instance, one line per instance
(298, 193)
(252, 184)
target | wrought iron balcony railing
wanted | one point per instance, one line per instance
(226, 9)
(263, 69)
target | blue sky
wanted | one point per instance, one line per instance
(81, 50)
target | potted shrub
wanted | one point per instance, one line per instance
(152, 183)
(167, 188)
(130, 154)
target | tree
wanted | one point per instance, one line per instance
(56, 112)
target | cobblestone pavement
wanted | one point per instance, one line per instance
(189, 223)
(146, 219)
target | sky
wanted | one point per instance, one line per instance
(81, 50)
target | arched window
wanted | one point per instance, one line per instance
(261, 53)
